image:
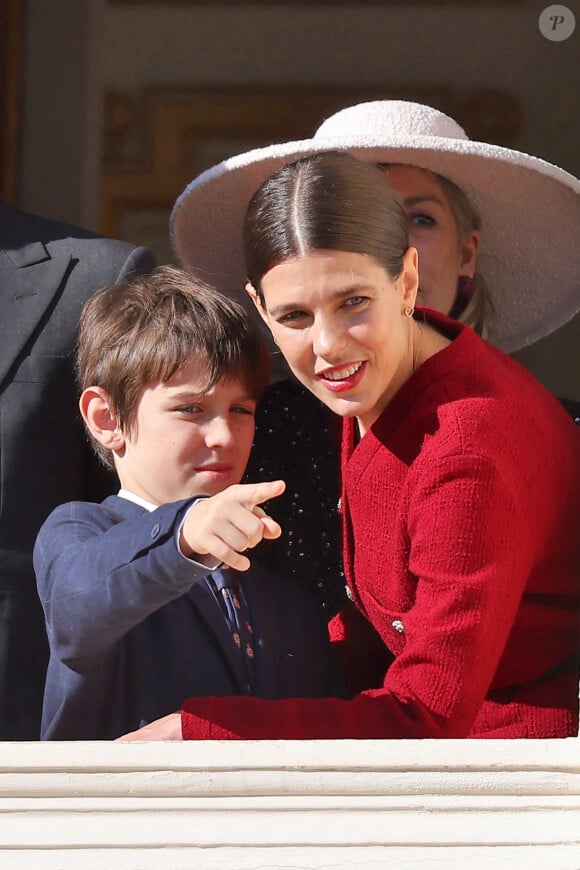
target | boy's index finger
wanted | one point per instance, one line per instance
(257, 493)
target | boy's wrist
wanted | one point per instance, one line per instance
(205, 560)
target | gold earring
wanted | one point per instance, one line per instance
(408, 312)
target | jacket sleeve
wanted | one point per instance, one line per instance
(471, 551)
(97, 578)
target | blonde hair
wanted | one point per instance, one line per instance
(477, 311)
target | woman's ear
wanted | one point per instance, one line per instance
(100, 418)
(410, 277)
(469, 249)
(255, 297)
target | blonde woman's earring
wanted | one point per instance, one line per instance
(408, 312)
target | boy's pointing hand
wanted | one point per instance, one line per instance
(225, 525)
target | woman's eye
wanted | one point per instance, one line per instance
(188, 409)
(291, 318)
(355, 301)
(421, 220)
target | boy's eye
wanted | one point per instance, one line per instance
(189, 409)
(421, 220)
(241, 409)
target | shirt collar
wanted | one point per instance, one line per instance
(142, 502)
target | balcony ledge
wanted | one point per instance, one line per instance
(291, 804)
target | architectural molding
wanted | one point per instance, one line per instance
(311, 3)
(157, 141)
(291, 804)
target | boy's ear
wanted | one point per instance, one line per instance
(253, 294)
(100, 418)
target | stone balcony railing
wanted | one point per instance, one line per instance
(434, 805)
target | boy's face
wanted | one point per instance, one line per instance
(184, 444)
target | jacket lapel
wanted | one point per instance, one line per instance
(204, 603)
(209, 610)
(268, 623)
(29, 280)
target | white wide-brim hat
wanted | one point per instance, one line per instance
(530, 210)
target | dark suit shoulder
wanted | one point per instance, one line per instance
(28, 227)
(20, 229)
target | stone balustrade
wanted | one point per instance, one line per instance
(438, 805)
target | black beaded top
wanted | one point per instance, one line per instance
(297, 440)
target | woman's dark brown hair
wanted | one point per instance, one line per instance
(325, 201)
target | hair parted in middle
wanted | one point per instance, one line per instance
(328, 200)
(140, 332)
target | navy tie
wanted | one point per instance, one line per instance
(232, 601)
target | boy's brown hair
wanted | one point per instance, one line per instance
(140, 332)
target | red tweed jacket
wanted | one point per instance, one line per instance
(462, 549)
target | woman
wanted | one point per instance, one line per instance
(446, 230)
(461, 548)
(520, 214)
(496, 233)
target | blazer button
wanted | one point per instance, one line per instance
(398, 625)
(155, 530)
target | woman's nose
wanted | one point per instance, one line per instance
(328, 338)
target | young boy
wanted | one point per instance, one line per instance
(170, 372)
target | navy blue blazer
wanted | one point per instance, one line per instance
(134, 629)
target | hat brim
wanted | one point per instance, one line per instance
(530, 214)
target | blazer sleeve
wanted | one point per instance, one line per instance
(463, 523)
(97, 578)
